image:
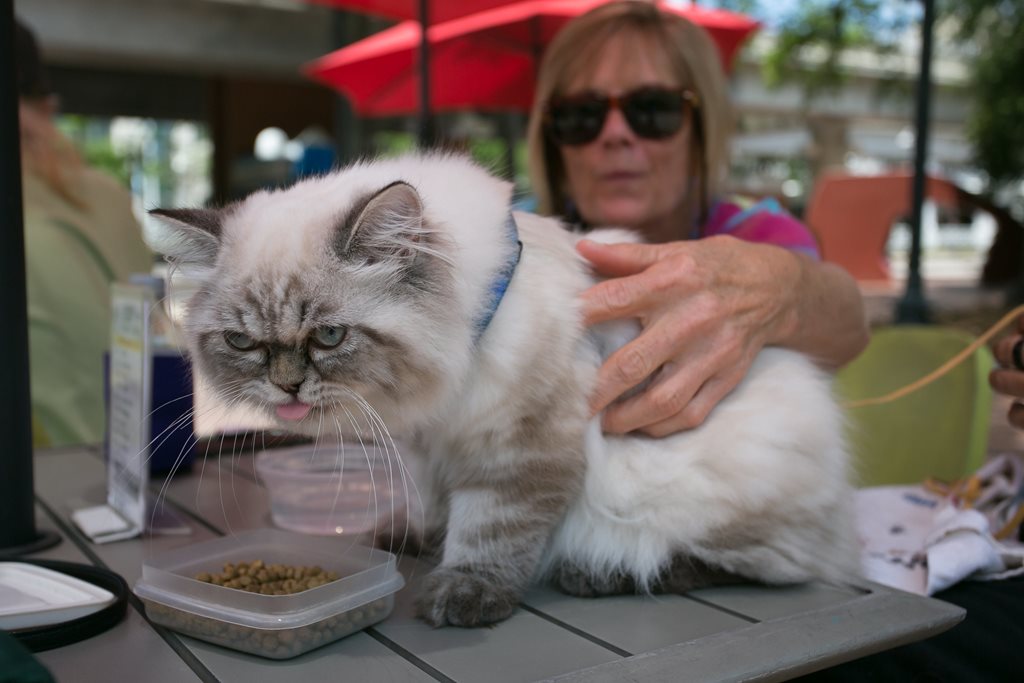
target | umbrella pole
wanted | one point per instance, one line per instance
(17, 507)
(426, 133)
(913, 308)
(347, 126)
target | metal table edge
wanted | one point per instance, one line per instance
(873, 622)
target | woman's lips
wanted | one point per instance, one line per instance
(294, 411)
(620, 176)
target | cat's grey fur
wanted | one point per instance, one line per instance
(520, 483)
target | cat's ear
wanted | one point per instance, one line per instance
(386, 225)
(187, 237)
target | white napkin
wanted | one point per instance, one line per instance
(921, 542)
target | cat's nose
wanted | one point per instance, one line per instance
(288, 388)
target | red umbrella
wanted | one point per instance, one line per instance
(425, 13)
(481, 61)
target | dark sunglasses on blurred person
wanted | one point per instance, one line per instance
(652, 112)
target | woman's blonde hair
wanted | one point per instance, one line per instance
(694, 60)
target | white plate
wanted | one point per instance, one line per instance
(36, 596)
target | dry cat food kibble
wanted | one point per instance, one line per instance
(269, 579)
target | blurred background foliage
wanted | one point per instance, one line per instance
(989, 35)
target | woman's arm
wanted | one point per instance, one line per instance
(707, 307)
(826, 313)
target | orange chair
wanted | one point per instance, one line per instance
(852, 216)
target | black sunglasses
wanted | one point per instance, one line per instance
(651, 112)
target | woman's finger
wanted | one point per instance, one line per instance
(670, 395)
(632, 365)
(1009, 382)
(617, 260)
(1016, 415)
(668, 283)
(696, 411)
(1003, 351)
(629, 366)
(615, 299)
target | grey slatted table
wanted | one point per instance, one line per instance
(722, 634)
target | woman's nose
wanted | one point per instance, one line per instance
(616, 128)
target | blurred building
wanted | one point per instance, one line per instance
(866, 126)
(229, 67)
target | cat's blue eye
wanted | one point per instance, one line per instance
(328, 337)
(240, 341)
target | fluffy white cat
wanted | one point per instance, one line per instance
(399, 289)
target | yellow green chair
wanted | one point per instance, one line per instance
(940, 430)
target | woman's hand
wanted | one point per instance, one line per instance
(706, 308)
(1009, 379)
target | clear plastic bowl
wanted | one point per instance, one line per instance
(275, 626)
(332, 489)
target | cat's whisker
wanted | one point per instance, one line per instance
(229, 400)
(390, 451)
(179, 459)
(374, 503)
(168, 402)
(357, 431)
(233, 460)
(380, 422)
(376, 423)
(236, 457)
(202, 473)
(168, 431)
(339, 465)
(236, 399)
(220, 483)
(369, 465)
(319, 431)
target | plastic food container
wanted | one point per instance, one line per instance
(275, 626)
(333, 489)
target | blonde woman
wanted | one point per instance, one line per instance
(630, 127)
(80, 235)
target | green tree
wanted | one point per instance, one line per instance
(995, 28)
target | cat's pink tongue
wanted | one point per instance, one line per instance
(296, 410)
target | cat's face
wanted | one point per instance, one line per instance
(323, 321)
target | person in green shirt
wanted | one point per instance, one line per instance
(80, 236)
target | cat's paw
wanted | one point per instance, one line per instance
(575, 581)
(461, 598)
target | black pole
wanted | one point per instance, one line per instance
(17, 508)
(426, 117)
(347, 133)
(913, 308)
